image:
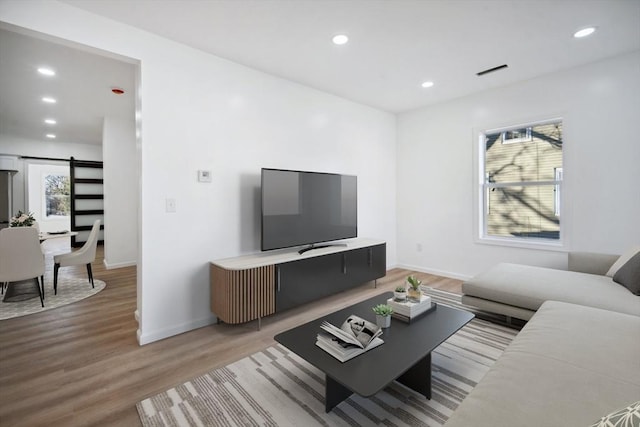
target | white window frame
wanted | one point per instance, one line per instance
(481, 199)
(557, 172)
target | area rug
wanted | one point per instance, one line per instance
(275, 387)
(70, 290)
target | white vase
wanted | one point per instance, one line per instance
(399, 296)
(383, 321)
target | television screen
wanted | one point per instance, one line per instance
(301, 208)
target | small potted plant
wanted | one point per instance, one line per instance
(414, 291)
(383, 315)
(400, 294)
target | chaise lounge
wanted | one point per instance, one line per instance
(571, 365)
(516, 290)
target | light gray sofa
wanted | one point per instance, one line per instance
(516, 290)
(578, 357)
(570, 365)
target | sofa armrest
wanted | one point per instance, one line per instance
(590, 262)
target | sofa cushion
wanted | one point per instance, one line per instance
(568, 366)
(622, 260)
(629, 274)
(528, 287)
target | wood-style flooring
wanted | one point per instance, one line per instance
(80, 365)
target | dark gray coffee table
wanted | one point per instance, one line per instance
(405, 355)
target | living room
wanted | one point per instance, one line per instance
(415, 168)
(184, 131)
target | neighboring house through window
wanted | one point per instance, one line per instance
(522, 177)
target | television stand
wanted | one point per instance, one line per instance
(311, 247)
(253, 286)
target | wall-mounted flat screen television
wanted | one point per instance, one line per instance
(304, 208)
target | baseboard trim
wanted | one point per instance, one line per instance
(435, 271)
(160, 334)
(111, 266)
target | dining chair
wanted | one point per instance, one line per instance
(85, 255)
(21, 257)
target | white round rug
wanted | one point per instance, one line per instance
(69, 291)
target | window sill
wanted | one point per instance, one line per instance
(538, 244)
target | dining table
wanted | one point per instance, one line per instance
(46, 235)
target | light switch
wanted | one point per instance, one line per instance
(170, 205)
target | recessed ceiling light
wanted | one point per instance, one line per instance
(49, 100)
(46, 71)
(50, 135)
(50, 121)
(340, 39)
(584, 32)
(426, 84)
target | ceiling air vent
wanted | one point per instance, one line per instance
(491, 70)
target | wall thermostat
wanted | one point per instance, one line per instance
(204, 176)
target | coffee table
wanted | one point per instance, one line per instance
(405, 355)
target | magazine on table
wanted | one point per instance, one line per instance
(355, 336)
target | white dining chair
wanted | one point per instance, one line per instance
(85, 255)
(21, 257)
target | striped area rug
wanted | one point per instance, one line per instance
(275, 387)
(455, 300)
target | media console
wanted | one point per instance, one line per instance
(250, 287)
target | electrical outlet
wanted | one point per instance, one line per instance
(170, 205)
(204, 176)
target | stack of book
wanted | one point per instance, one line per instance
(353, 338)
(408, 310)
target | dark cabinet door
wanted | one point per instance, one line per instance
(298, 282)
(365, 264)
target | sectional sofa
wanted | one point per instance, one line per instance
(577, 360)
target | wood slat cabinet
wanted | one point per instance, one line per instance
(250, 287)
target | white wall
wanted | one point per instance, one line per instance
(17, 146)
(121, 196)
(202, 112)
(600, 104)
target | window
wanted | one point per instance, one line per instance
(57, 195)
(521, 170)
(516, 135)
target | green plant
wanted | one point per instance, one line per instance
(414, 282)
(22, 220)
(401, 289)
(383, 310)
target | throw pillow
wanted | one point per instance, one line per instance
(627, 417)
(622, 260)
(629, 274)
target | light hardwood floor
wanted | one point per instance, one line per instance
(80, 365)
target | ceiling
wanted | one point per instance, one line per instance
(82, 88)
(394, 46)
